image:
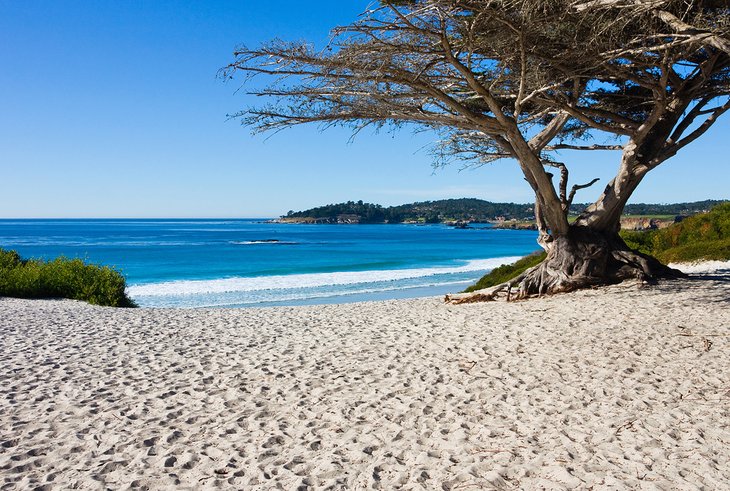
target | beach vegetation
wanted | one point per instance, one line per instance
(61, 278)
(472, 210)
(701, 237)
(520, 80)
(507, 272)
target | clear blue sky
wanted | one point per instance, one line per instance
(113, 109)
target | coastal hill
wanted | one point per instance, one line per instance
(464, 210)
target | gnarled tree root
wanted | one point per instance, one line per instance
(491, 293)
(584, 259)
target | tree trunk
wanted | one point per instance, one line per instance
(590, 252)
(583, 258)
(587, 257)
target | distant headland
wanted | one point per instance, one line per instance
(464, 211)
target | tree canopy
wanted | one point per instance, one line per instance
(515, 79)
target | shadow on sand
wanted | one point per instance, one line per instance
(710, 287)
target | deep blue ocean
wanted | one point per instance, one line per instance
(248, 262)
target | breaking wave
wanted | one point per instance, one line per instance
(262, 289)
(263, 242)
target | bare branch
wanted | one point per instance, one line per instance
(563, 181)
(673, 149)
(584, 118)
(687, 121)
(550, 131)
(523, 76)
(692, 33)
(578, 187)
(565, 146)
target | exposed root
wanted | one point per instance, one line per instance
(484, 295)
(491, 293)
(583, 259)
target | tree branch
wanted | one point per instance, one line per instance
(578, 187)
(564, 146)
(549, 132)
(694, 34)
(689, 119)
(673, 149)
(563, 181)
(580, 116)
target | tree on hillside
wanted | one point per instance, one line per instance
(521, 80)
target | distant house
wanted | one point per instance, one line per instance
(348, 218)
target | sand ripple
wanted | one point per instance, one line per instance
(619, 388)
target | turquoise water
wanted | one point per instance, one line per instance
(248, 262)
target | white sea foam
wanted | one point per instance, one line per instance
(311, 280)
(234, 299)
(23, 242)
(264, 242)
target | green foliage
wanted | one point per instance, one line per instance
(702, 237)
(714, 225)
(718, 250)
(426, 211)
(639, 240)
(669, 210)
(470, 209)
(368, 213)
(9, 259)
(508, 271)
(61, 278)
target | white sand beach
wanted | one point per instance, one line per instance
(625, 387)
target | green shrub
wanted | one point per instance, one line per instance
(639, 240)
(507, 271)
(61, 278)
(717, 250)
(701, 237)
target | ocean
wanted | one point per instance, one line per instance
(249, 262)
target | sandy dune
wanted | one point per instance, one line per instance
(626, 387)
